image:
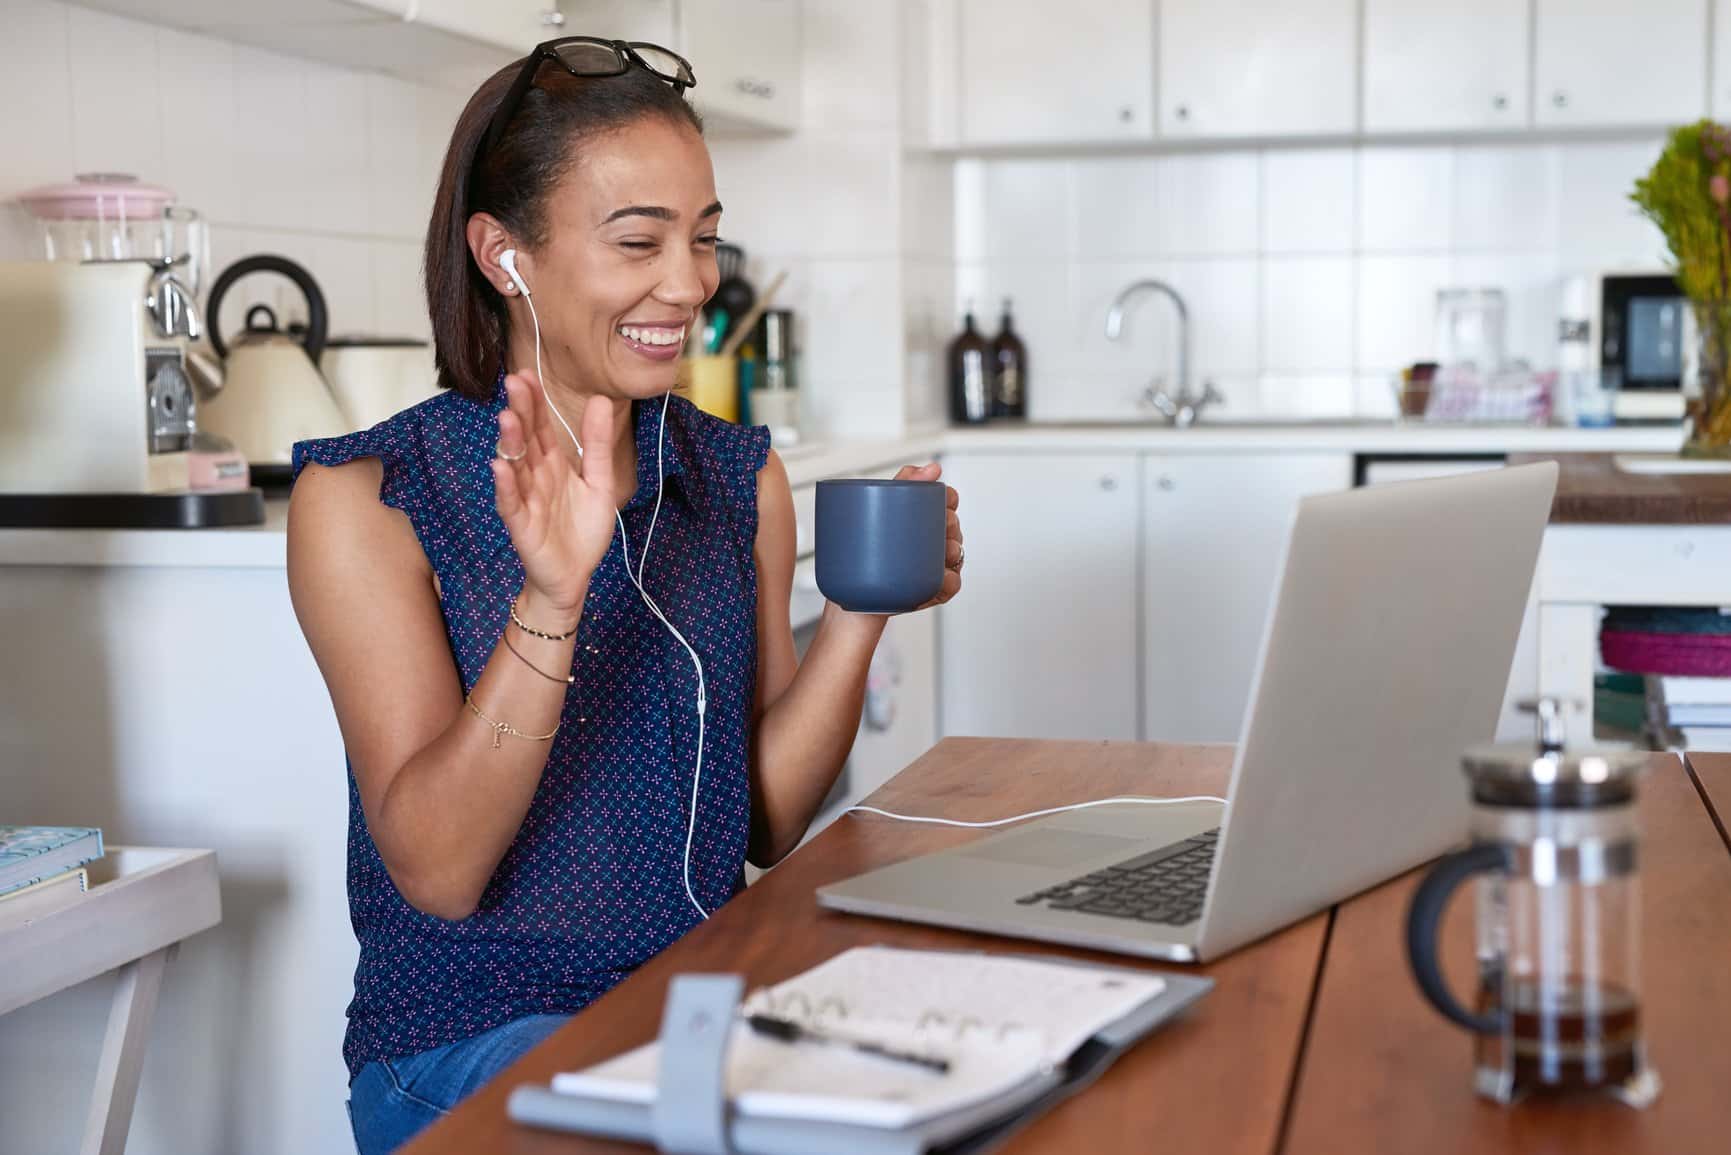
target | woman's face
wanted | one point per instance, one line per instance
(629, 258)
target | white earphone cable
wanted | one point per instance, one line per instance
(1037, 813)
(637, 577)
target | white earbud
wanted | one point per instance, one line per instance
(508, 262)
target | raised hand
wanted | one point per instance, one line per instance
(559, 512)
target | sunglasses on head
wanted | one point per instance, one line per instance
(587, 56)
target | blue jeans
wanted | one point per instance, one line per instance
(392, 1100)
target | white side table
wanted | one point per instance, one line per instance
(143, 903)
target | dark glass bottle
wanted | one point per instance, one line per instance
(970, 375)
(1009, 370)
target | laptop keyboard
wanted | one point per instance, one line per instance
(1165, 885)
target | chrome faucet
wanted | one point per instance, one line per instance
(1184, 409)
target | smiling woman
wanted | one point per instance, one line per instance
(551, 604)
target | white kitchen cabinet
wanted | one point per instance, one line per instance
(747, 57)
(1258, 67)
(1611, 62)
(518, 25)
(746, 53)
(1038, 73)
(1215, 528)
(1435, 67)
(1043, 641)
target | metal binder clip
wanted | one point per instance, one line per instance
(690, 1113)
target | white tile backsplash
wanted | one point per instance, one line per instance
(1308, 199)
(35, 75)
(1307, 314)
(1405, 199)
(1117, 208)
(1397, 309)
(1210, 204)
(116, 101)
(1598, 227)
(1027, 209)
(198, 145)
(1505, 198)
(1307, 269)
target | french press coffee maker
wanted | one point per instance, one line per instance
(1557, 1008)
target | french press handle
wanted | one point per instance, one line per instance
(1424, 919)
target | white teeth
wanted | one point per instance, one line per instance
(654, 336)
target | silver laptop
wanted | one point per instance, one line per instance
(1386, 654)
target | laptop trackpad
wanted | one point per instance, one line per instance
(1051, 847)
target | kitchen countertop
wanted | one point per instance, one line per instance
(265, 546)
(1314, 437)
(1592, 490)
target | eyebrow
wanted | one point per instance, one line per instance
(657, 212)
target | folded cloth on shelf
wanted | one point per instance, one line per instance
(1699, 655)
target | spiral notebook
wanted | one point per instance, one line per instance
(1017, 1032)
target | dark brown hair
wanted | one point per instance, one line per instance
(512, 182)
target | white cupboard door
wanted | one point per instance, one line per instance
(1460, 65)
(1043, 640)
(746, 54)
(1215, 529)
(515, 24)
(1033, 72)
(1609, 62)
(1258, 67)
(653, 21)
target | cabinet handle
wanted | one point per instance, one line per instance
(1499, 102)
(553, 18)
(1560, 99)
(1182, 112)
(762, 89)
(1109, 483)
(1166, 484)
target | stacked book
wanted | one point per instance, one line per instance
(1691, 713)
(38, 858)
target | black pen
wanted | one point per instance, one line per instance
(789, 1031)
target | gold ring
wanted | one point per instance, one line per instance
(499, 448)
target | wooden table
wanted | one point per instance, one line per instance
(1314, 1039)
(1620, 538)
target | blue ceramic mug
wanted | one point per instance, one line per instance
(880, 544)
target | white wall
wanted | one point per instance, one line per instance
(331, 167)
(1310, 274)
(841, 208)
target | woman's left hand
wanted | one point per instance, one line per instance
(953, 552)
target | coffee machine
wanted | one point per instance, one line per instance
(97, 414)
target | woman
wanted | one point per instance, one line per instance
(537, 802)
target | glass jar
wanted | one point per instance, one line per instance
(116, 217)
(1557, 1008)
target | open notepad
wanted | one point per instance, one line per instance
(1007, 1025)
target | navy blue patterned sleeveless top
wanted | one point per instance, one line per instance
(593, 885)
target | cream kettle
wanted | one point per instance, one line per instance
(269, 393)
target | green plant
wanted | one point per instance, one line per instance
(1688, 195)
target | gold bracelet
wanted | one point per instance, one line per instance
(569, 679)
(533, 632)
(500, 729)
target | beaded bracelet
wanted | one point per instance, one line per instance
(535, 633)
(500, 729)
